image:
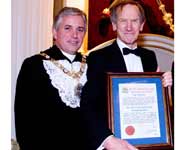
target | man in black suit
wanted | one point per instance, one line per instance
(123, 55)
(47, 101)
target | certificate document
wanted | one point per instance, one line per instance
(138, 109)
(139, 115)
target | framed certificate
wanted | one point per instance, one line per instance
(138, 109)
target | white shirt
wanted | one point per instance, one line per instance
(133, 62)
(69, 56)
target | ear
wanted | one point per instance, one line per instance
(54, 33)
(142, 25)
(114, 26)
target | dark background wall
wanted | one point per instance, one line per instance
(100, 29)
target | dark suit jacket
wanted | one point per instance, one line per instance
(108, 59)
(42, 120)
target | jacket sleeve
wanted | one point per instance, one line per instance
(93, 102)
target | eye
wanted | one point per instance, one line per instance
(81, 29)
(135, 20)
(67, 27)
(123, 20)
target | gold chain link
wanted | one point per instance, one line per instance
(75, 75)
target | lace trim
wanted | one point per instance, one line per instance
(69, 88)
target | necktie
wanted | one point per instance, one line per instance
(127, 51)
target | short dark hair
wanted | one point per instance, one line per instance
(68, 11)
(121, 4)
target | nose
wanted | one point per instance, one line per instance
(75, 34)
(129, 25)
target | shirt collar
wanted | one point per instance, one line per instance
(69, 56)
(122, 45)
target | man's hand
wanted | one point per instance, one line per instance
(113, 143)
(167, 78)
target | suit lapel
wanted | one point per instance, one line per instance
(117, 60)
(146, 60)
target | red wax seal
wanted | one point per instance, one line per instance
(130, 130)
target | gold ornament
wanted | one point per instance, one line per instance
(75, 75)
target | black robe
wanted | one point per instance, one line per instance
(42, 120)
